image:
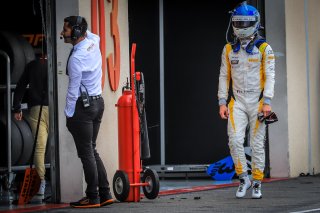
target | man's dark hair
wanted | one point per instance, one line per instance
(72, 21)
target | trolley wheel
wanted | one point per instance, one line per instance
(121, 185)
(151, 177)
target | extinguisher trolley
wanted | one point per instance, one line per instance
(133, 142)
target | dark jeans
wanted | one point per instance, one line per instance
(84, 127)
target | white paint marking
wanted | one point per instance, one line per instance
(310, 210)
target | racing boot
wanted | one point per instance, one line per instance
(245, 184)
(256, 190)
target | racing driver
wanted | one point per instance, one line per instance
(247, 80)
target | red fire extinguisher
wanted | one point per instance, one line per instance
(131, 124)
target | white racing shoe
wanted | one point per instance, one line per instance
(256, 190)
(245, 184)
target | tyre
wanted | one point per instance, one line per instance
(121, 185)
(28, 141)
(16, 142)
(9, 43)
(28, 50)
(151, 177)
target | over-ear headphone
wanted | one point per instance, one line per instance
(76, 31)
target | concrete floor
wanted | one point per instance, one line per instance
(205, 195)
(296, 195)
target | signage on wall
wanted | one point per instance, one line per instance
(113, 62)
(35, 40)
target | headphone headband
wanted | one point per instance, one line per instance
(77, 29)
(78, 21)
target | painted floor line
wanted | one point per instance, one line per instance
(210, 187)
(309, 210)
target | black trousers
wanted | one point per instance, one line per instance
(84, 127)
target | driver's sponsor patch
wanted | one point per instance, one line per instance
(234, 61)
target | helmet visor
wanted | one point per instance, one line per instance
(243, 21)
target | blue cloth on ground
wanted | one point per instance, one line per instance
(222, 170)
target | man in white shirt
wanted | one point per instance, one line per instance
(84, 108)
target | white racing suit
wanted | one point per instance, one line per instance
(252, 77)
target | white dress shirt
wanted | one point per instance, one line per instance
(84, 67)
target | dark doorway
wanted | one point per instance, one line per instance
(194, 39)
(144, 31)
(194, 36)
(31, 22)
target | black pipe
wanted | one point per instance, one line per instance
(5, 55)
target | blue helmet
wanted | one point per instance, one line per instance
(245, 20)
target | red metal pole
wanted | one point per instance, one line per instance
(94, 16)
(136, 131)
(102, 33)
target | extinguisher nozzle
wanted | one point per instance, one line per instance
(126, 86)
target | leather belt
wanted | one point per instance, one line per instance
(96, 97)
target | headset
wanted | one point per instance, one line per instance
(76, 31)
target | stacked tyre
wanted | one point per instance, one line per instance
(20, 53)
(21, 142)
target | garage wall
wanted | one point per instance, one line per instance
(107, 143)
(297, 87)
(314, 56)
(69, 163)
(278, 132)
(292, 28)
(303, 77)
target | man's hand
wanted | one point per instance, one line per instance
(266, 109)
(223, 111)
(18, 116)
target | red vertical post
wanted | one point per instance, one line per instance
(102, 33)
(94, 16)
(136, 131)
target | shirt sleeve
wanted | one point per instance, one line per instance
(75, 76)
(20, 90)
(269, 72)
(224, 76)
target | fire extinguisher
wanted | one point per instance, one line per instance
(133, 143)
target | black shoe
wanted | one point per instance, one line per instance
(106, 200)
(86, 203)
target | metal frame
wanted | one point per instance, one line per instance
(9, 177)
(19, 168)
(8, 91)
(184, 171)
(162, 92)
(53, 139)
